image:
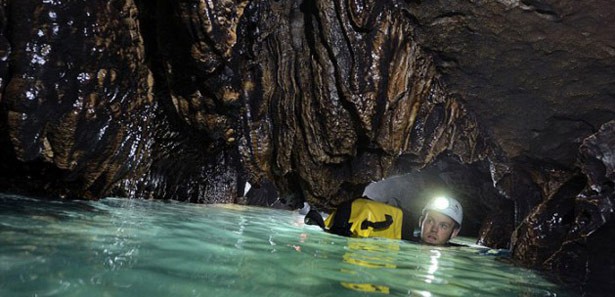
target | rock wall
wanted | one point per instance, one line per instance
(319, 97)
(341, 91)
(76, 92)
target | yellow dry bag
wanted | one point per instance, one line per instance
(366, 218)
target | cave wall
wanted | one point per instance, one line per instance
(81, 115)
(538, 71)
(76, 92)
(318, 97)
(347, 90)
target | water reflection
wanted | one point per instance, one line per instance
(369, 258)
(370, 254)
(242, 226)
(122, 248)
(431, 270)
(119, 247)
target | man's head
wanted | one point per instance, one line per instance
(441, 220)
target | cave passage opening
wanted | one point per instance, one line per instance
(411, 189)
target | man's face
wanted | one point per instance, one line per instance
(437, 228)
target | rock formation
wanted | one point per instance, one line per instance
(508, 103)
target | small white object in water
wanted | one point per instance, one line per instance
(305, 209)
(246, 188)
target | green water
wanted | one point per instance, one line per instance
(120, 247)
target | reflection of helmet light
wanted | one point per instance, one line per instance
(440, 203)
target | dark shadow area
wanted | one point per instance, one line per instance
(470, 184)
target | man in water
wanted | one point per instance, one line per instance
(440, 220)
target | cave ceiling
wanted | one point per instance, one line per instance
(538, 74)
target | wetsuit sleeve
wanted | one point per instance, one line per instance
(407, 227)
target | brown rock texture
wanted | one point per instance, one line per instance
(76, 91)
(347, 91)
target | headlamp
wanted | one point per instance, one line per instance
(447, 206)
(441, 203)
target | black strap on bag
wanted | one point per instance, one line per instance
(341, 226)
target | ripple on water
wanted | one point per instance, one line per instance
(120, 247)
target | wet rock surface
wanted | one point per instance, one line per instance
(588, 240)
(536, 71)
(506, 104)
(76, 92)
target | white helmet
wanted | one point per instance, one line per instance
(447, 206)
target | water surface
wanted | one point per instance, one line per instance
(121, 247)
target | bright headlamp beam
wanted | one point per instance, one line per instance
(441, 203)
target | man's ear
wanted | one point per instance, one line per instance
(421, 221)
(455, 232)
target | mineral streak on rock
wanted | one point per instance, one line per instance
(194, 155)
(196, 41)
